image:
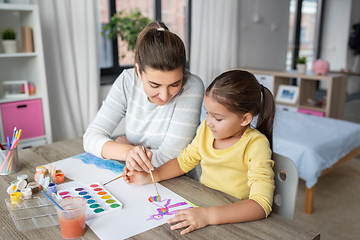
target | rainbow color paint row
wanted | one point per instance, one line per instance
(99, 200)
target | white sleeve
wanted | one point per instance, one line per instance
(108, 117)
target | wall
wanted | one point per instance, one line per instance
(338, 20)
(263, 44)
(353, 86)
(336, 33)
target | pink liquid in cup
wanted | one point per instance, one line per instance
(72, 218)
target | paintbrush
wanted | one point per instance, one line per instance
(114, 179)
(152, 177)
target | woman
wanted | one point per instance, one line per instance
(159, 99)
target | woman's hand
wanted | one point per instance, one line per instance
(138, 158)
(192, 218)
(139, 178)
(122, 139)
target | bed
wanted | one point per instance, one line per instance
(316, 145)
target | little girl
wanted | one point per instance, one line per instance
(234, 157)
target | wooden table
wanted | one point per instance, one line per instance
(274, 227)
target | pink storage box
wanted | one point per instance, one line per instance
(26, 115)
(312, 112)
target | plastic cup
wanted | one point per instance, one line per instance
(72, 218)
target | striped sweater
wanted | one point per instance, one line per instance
(166, 130)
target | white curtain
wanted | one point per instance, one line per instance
(71, 37)
(214, 38)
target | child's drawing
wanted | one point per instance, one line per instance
(112, 165)
(165, 208)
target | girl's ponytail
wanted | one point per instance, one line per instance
(266, 115)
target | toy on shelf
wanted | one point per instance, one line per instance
(320, 67)
(31, 88)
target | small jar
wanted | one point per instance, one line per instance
(12, 188)
(22, 177)
(34, 186)
(59, 177)
(21, 184)
(26, 193)
(15, 197)
(14, 182)
(41, 169)
(51, 188)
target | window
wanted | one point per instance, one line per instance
(114, 56)
(304, 31)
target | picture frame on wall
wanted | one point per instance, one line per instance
(287, 94)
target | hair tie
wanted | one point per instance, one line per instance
(160, 29)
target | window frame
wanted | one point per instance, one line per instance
(108, 75)
(297, 31)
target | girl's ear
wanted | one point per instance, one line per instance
(246, 119)
(137, 71)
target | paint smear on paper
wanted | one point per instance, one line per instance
(154, 199)
(165, 208)
(109, 164)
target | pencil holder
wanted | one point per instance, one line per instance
(9, 161)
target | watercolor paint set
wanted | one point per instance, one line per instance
(99, 200)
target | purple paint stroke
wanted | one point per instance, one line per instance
(165, 209)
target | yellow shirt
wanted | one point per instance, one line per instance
(243, 170)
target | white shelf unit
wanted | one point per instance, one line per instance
(335, 94)
(25, 66)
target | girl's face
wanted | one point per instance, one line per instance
(223, 123)
(161, 86)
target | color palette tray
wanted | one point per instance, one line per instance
(36, 212)
(99, 200)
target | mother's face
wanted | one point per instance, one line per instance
(161, 86)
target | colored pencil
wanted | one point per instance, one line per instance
(9, 167)
(19, 134)
(2, 147)
(13, 141)
(14, 134)
(8, 142)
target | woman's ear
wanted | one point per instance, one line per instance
(137, 71)
(246, 119)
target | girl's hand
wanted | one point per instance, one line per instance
(138, 158)
(192, 218)
(126, 177)
(139, 178)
